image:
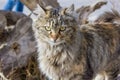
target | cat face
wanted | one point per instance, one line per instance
(56, 28)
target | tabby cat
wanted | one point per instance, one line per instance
(69, 51)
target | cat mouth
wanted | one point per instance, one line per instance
(56, 42)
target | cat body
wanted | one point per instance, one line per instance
(69, 51)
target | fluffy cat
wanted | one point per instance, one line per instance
(69, 51)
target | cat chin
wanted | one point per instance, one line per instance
(56, 43)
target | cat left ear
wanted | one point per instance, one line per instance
(70, 9)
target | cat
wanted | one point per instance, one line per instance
(69, 51)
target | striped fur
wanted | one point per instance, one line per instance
(68, 51)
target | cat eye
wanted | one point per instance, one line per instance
(62, 28)
(48, 28)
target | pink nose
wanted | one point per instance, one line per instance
(54, 37)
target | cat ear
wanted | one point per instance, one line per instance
(43, 10)
(47, 11)
(68, 10)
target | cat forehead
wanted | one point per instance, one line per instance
(58, 14)
(60, 21)
(55, 22)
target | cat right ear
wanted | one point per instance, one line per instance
(68, 10)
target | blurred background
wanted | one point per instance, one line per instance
(79, 3)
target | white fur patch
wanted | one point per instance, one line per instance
(101, 77)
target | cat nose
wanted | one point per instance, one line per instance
(54, 37)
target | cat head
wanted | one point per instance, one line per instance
(57, 26)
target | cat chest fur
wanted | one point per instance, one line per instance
(60, 62)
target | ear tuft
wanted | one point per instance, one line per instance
(48, 10)
(48, 7)
(69, 10)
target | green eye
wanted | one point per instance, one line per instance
(48, 28)
(62, 28)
